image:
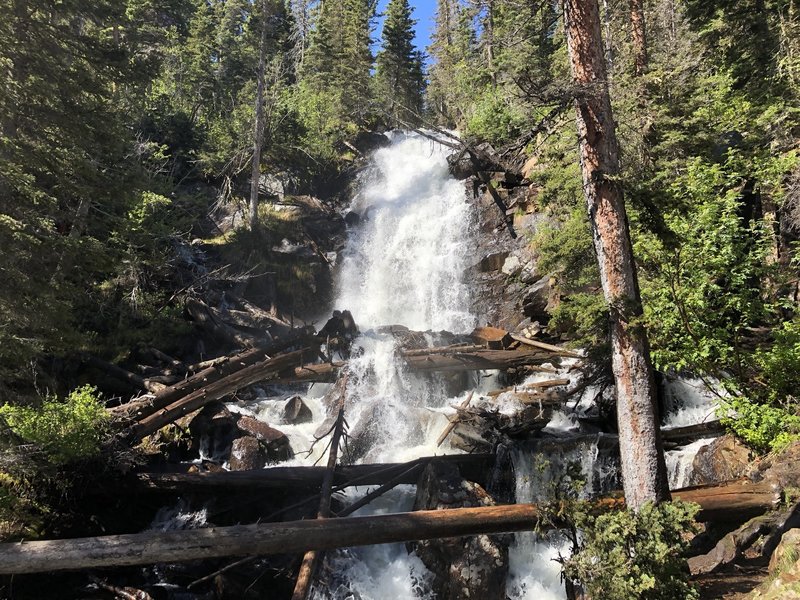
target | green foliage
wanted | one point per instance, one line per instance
(494, 118)
(761, 426)
(779, 364)
(398, 76)
(66, 430)
(635, 556)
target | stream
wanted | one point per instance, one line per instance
(404, 265)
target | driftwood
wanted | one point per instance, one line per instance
(765, 529)
(326, 534)
(452, 424)
(522, 389)
(477, 360)
(210, 371)
(312, 557)
(214, 391)
(473, 467)
(676, 436)
(541, 345)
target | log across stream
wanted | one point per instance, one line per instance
(730, 500)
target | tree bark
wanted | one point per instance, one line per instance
(643, 468)
(325, 534)
(312, 558)
(258, 137)
(638, 37)
(473, 467)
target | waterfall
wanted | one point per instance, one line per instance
(403, 265)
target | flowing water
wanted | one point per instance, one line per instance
(404, 265)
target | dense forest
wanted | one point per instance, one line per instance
(137, 137)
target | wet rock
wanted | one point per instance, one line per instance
(460, 165)
(296, 411)
(351, 219)
(213, 431)
(275, 443)
(470, 567)
(723, 459)
(247, 454)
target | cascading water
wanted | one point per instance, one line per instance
(404, 266)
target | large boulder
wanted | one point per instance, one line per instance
(296, 411)
(784, 570)
(469, 567)
(247, 454)
(723, 459)
(780, 469)
(275, 443)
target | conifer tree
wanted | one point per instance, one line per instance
(399, 66)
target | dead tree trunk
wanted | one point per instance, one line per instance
(643, 468)
(319, 534)
(258, 137)
(311, 558)
(638, 37)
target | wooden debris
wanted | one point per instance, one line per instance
(474, 467)
(312, 557)
(249, 375)
(524, 388)
(537, 344)
(325, 534)
(452, 424)
(492, 337)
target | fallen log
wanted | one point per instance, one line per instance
(212, 371)
(523, 388)
(122, 374)
(477, 360)
(676, 436)
(473, 467)
(207, 319)
(550, 347)
(214, 391)
(318, 534)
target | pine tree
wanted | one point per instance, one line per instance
(399, 77)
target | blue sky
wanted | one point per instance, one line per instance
(424, 11)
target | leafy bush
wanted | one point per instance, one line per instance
(635, 556)
(761, 426)
(66, 431)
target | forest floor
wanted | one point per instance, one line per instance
(736, 583)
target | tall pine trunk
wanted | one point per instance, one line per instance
(643, 469)
(258, 137)
(638, 37)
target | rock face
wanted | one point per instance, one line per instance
(471, 567)
(780, 469)
(784, 570)
(723, 459)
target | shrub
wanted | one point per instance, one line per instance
(635, 556)
(65, 430)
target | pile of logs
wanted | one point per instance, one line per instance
(218, 378)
